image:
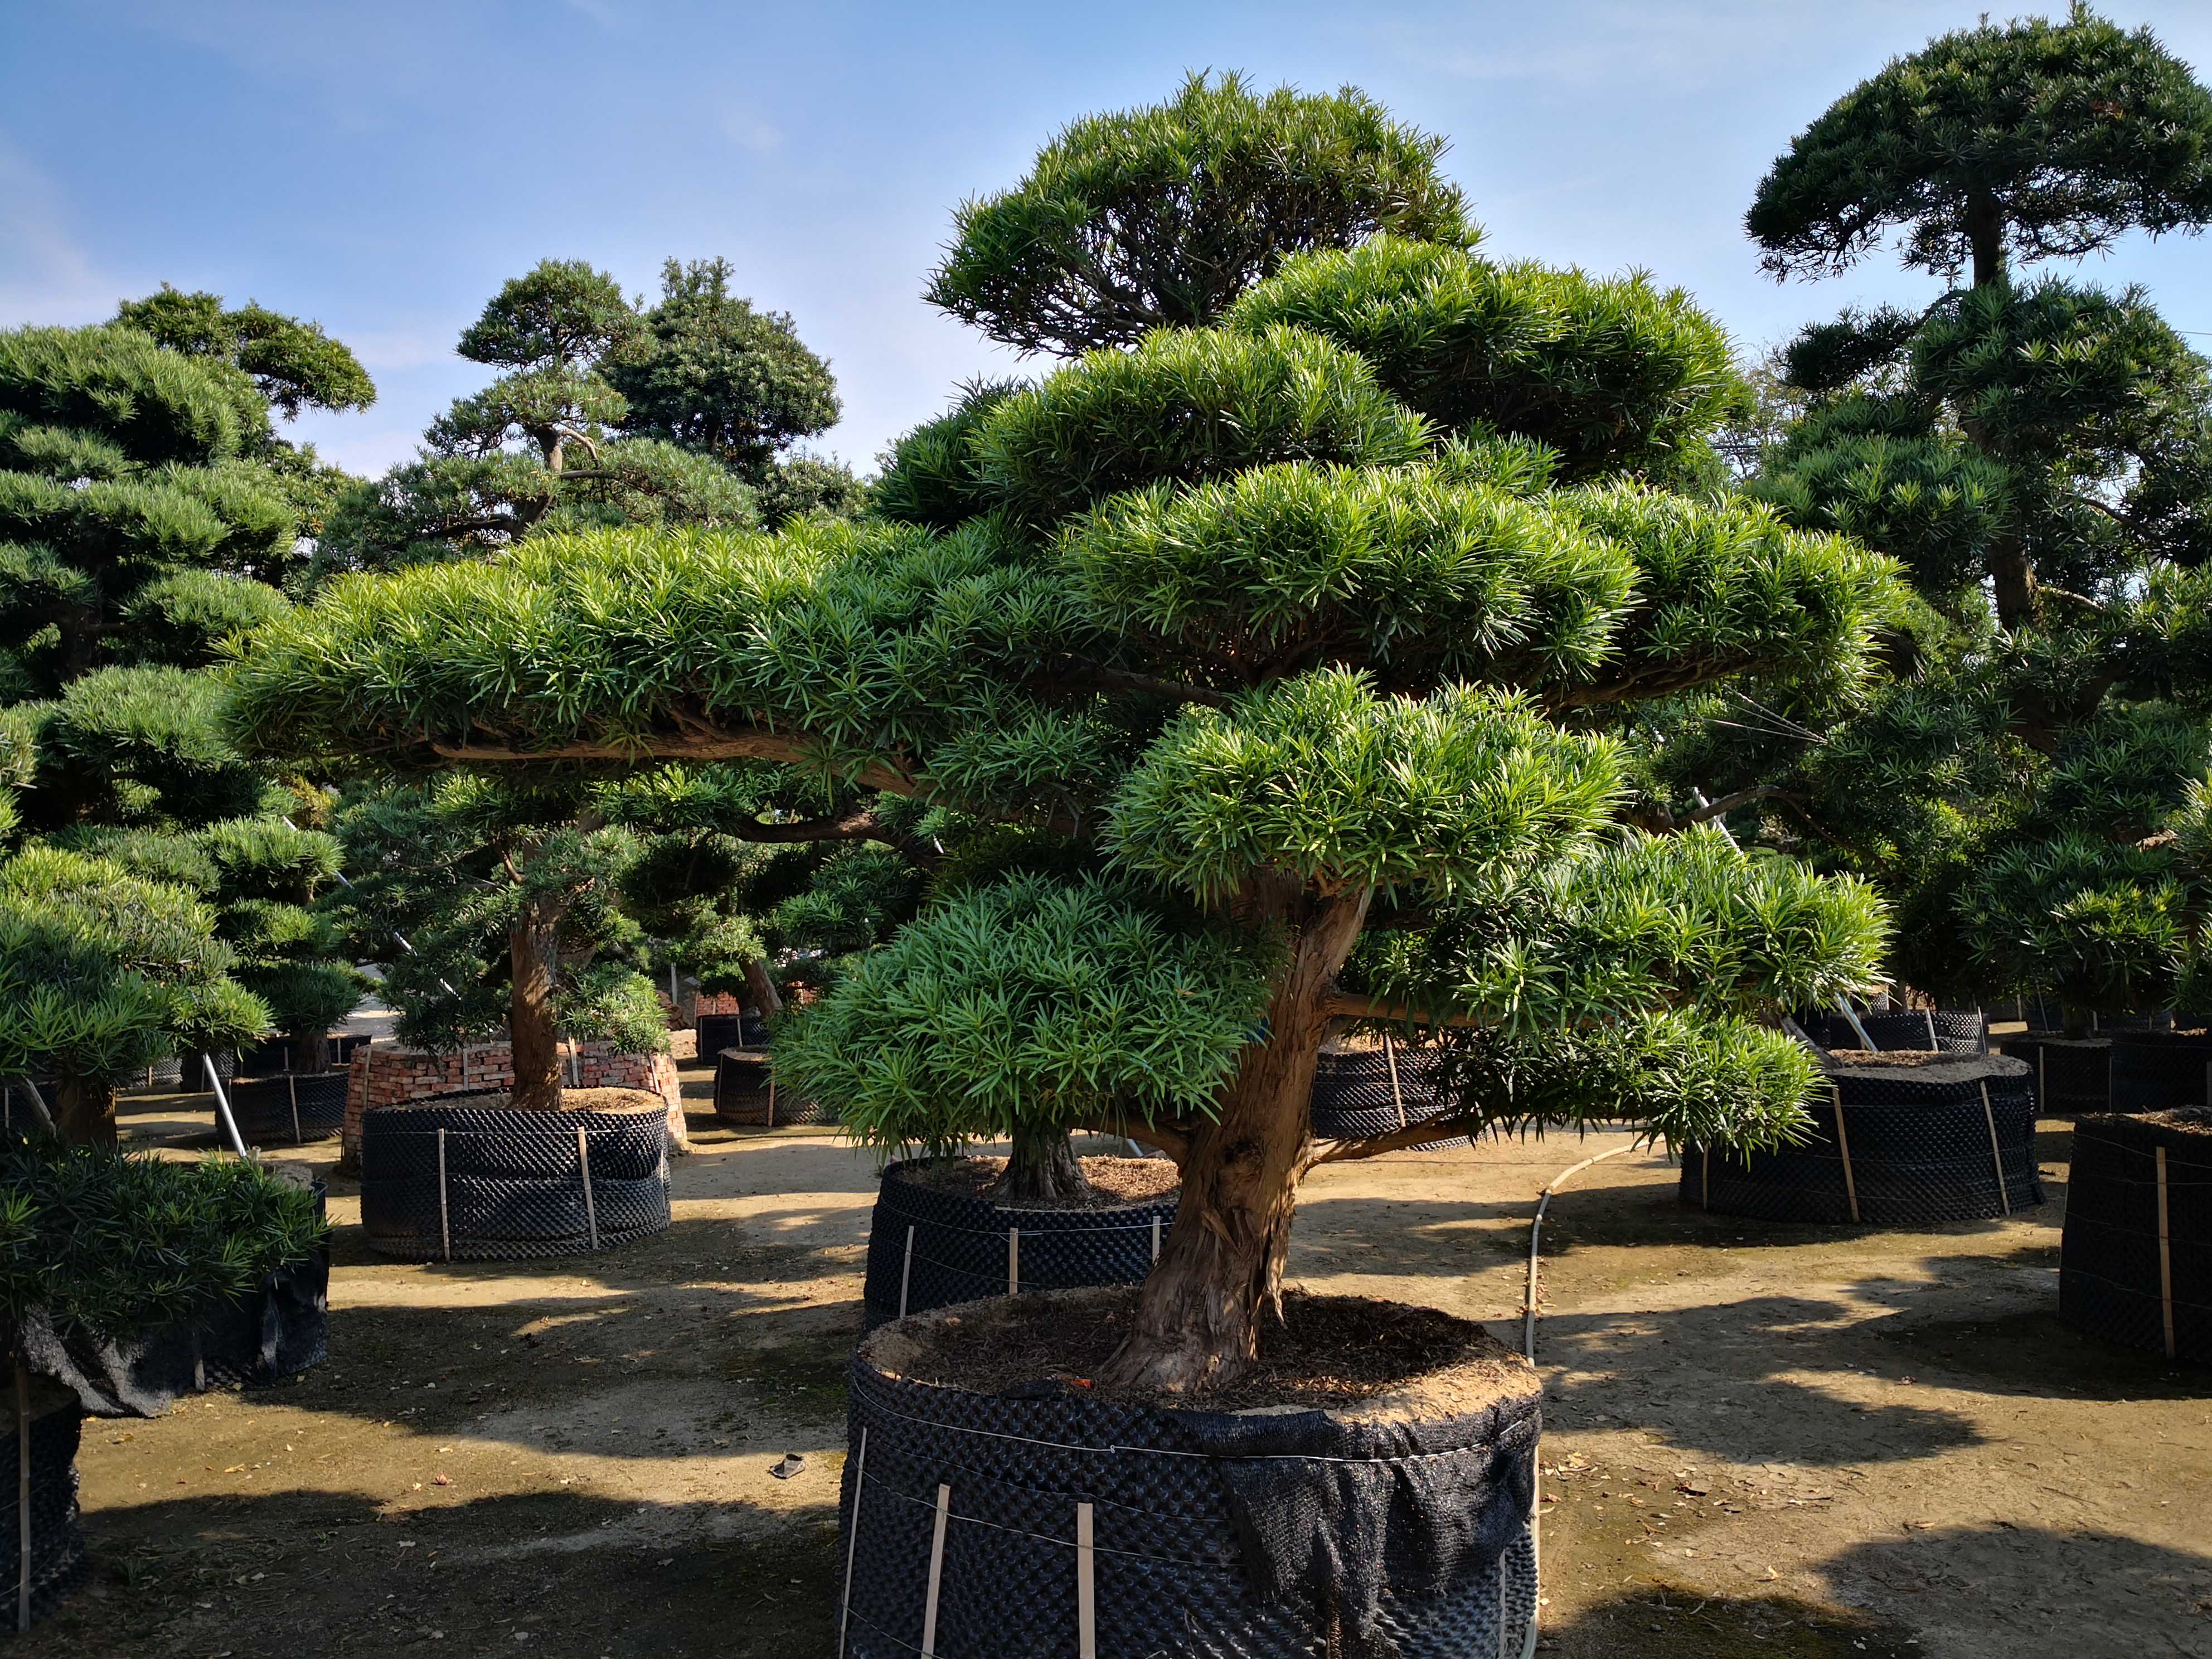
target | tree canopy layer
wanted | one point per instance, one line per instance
(1161, 216)
(2028, 139)
(1289, 701)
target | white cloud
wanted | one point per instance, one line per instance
(46, 274)
(748, 131)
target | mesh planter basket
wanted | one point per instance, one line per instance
(745, 1094)
(489, 1183)
(721, 1031)
(1951, 1030)
(2159, 1071)
(1893, 1146)
(929, 1248)
(279, 1330)
(1359, 1093)
(998, 1527)
(2072, 1074)
(59, 1562)
(290, 1111)
(2135, 1265)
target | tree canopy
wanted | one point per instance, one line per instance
(1161, 216)
(2028, 139)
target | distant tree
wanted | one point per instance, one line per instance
(2029, 140)
(293, 365)
(2028, 775)
(1161, 216)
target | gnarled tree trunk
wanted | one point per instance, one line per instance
(1043, 1168)
(84, 1110)
(762, 989)
(533, 951)
(1197, 1322)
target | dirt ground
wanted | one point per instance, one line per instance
(1758, 1439)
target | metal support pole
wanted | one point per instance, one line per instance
(222, 1108)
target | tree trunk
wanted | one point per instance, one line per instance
(762, 989)
(84, 1110)
(311, 1051)
(1197, 1322)
(1043, 1167)
(1985, 234)
(533, 951)
(2014, 581)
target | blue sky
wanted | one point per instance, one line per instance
(382, 168)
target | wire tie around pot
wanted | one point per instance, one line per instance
(2165, 1256)
(1843, 1145)
(1996, 1157)
(936, 1571)
(584, 1166)
(906, 1270)
(444, 1219)
(853, 1538)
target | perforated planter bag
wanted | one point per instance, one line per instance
(290, 1111)
(2071, 1074)
(1902, 1141)
(1359, 1093)
(1947, 1031)
(485, 1182)
(931, 1245)
(721, 1031)
(1042, 1521)
(59, 1562)
(745, 1093)
(277, 1330)
(2159, 1071)
(2137, 1263)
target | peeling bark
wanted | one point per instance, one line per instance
(1197, 1318)
(533, 949)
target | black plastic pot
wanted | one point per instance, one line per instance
(2135, 1265)
(930, 1248)
(745, 1093)
(721, 1031)
(2158, 1071)
(1952, 1030)
(1361, 1093)
(1891, 1146)
(489, 1183)
(1049, 1522)
(59, 1562)
(290, 1111)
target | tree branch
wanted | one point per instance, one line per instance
(1346, 1004)
(744, 742)
(1081, 677)
(860, 825)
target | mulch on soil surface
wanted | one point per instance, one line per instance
(2193, 1120)
(1925, 1060)
(1329, 1352)
(1115, 1182)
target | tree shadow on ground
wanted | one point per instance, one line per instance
(305, 1572)
(1662, 1623)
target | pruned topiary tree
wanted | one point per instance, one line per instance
(1312, 691)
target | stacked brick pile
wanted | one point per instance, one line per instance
(388, 1077)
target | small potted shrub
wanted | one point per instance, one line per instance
(109, 1266)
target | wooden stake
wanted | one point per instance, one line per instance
(1930, 1017)
(906, 1271)
(444, 1221)
(2165, 1257)
(853, 1538)
(1390, 1060)
(936, 1571)
(2043, 1087)
(23, 1494)
(1013, 1261)
(1086, 1589)
(293, 1083)
(771, 1098)
(1156, 1238)
(1996, 1157)
(591, 1204)
(1705, 1177)
(1843, 1145)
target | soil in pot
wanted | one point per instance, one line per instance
(1364, 1491)
(1115, 1182)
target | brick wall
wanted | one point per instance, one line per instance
(384, 1077)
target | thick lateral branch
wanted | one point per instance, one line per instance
(1344, 1004)
(1445, 1127)
(1173, 1138)
(748, 743)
